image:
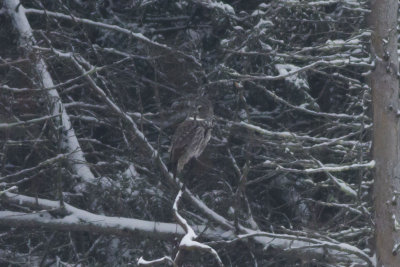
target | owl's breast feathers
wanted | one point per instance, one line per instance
(190, 139)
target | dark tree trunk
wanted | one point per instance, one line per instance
(385, 98)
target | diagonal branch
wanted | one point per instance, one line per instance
(70, 144)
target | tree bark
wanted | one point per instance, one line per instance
(385, 97)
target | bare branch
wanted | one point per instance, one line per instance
(137, 36)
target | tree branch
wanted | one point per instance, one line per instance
(70, 144)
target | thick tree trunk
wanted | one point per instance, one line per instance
(385, 98)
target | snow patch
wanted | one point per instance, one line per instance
(285, 69)
(264, 23)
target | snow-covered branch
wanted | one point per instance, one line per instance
(38, 166)
(9, 125)
(308, 111)
(188, 241)
(163, 260)
(332, 63)
(341, 168)
(70, 144)
(217, 5)
(72, 218)
(294, 136)
(340, 247)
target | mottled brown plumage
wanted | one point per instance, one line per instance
(191, 136)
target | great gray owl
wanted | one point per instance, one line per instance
(192, 135)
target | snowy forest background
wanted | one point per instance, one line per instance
(285, 180)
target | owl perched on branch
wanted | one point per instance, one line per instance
(192, 135)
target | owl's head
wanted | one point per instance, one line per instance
(203, 108)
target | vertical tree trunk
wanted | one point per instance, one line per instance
(385, 98)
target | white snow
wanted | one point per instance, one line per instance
(257, 12)
(130, 172)
(263, 24)
(285, 69)
(225, 7)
